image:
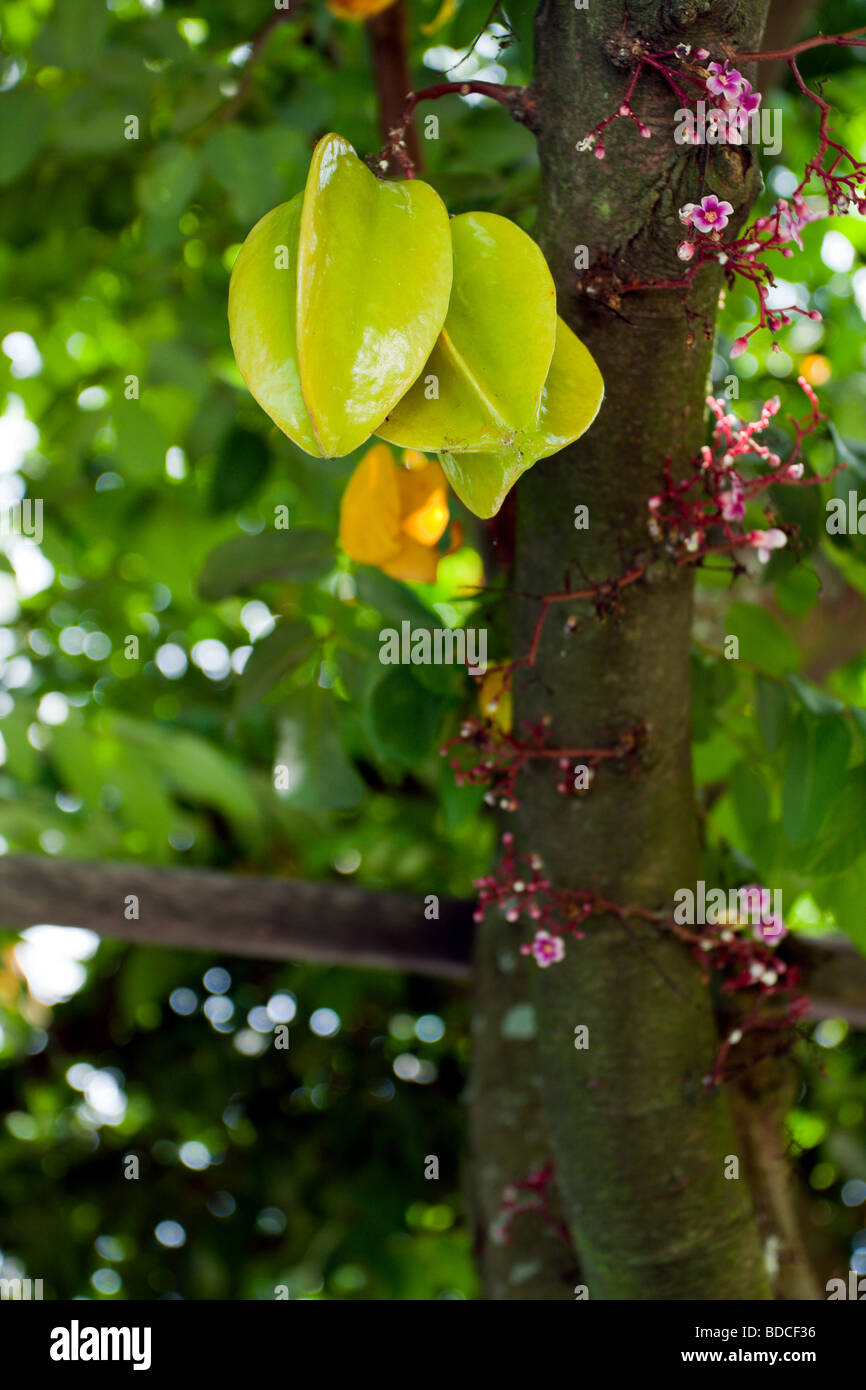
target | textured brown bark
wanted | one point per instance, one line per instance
(390, 53)
(760, 1098)
(640, 1145)
(509, 1138)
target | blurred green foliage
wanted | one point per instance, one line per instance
(164, 646)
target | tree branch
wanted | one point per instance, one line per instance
(849, 39)
(271, 918)
(519, 102)
(387, 31)
(258, 43)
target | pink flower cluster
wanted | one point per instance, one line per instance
(520, 890)
(483, 754)
(683, 519)
(739, 102)
(755, 902)
(748, 961)
(838, 174)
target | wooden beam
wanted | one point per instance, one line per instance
(231, 914)
(329, 923)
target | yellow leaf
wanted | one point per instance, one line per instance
(393, 518)
(358, 9)
(494, 698)
(370, 510)
(447, 10)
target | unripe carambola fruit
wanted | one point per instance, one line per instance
(337, 298)
(492, 357)
(570, 401)
(513, 384)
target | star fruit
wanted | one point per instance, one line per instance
(356, 308)
(337, 298)
(508, 382)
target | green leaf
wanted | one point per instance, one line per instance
(168, 183)
(398, 603)
(845, 896)
(404, 717)
(320, 775)
(197, 771)
(75, 37)
(242, 465)
(762, 640)
(89, 123)
(774, 711)
(23, 120)
(521, 17)
(271, 659)
(76, 763)
(22, 759)
(141, 441)
(751, 799)
(233, 156)
(291, 557)
(391, 598)
(712, 683)
(458, 803)
(815, 701)
(813, 773)
(844, 839)
(472, 17)
(853, 454)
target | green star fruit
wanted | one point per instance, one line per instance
(337, 299)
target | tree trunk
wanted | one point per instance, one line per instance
(639, 1144)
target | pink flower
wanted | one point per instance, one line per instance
(748, 101)
(724, 82)
(755, 903)
(739, 346)
(733, 502)
(701, 54)
(765, 541)
(685, 214)
(686, 250)
(711, 215)
(547, 949)
(792, 222)
(771, 930)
